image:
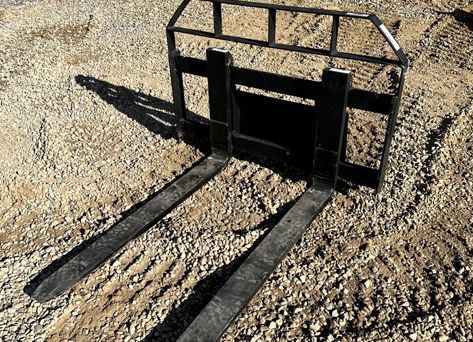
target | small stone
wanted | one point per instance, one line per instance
(413, 336)
(315, 327)
(255, 339)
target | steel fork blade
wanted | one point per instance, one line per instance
(235, 294)
(132, 226)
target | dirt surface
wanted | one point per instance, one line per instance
(88, 131)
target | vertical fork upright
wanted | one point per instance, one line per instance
(240, 288)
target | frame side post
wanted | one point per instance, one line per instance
(343, 152)
(271, 26)
(334, 36)
(217, 13)
(390, 131)
(176, 84)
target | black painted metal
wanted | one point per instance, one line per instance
(220, 98)
(236, 293)
(331, 122)
(273, 8)
(288, 47)
(217, 8)
(102, 249)
(293, 135)
(334, 38)
(132, 226)
(381, 103)
(261, 127)
(177, 89)
(396, 102)
(271, 26)
(358, 98)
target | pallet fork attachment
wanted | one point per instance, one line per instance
(313, 138)
(162, 203)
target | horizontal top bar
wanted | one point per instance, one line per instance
(373, 19)
(287, 47)
(292, 8)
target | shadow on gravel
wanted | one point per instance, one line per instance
(182, 316)
(424, 187)
(59, 262)
(462, 16)
(151, 112)
(156, 115)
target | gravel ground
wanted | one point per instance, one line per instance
(88, 131)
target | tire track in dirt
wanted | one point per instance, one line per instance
(149, 291)
(448, 6)
(438, 250)
(103, 292)
(301, 32)
(436, 42)
(447, 49)
(416, 107)
(438, 134)
(432, 137)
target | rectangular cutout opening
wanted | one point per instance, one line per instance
(276, 95)
(196, 96)
(365, 137)
(198, 15)
(245, 22)
(361, 37)
(303, 29)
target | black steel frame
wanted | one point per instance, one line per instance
(332, 96)
(271, 41)
(358, 98)
(234, 126)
